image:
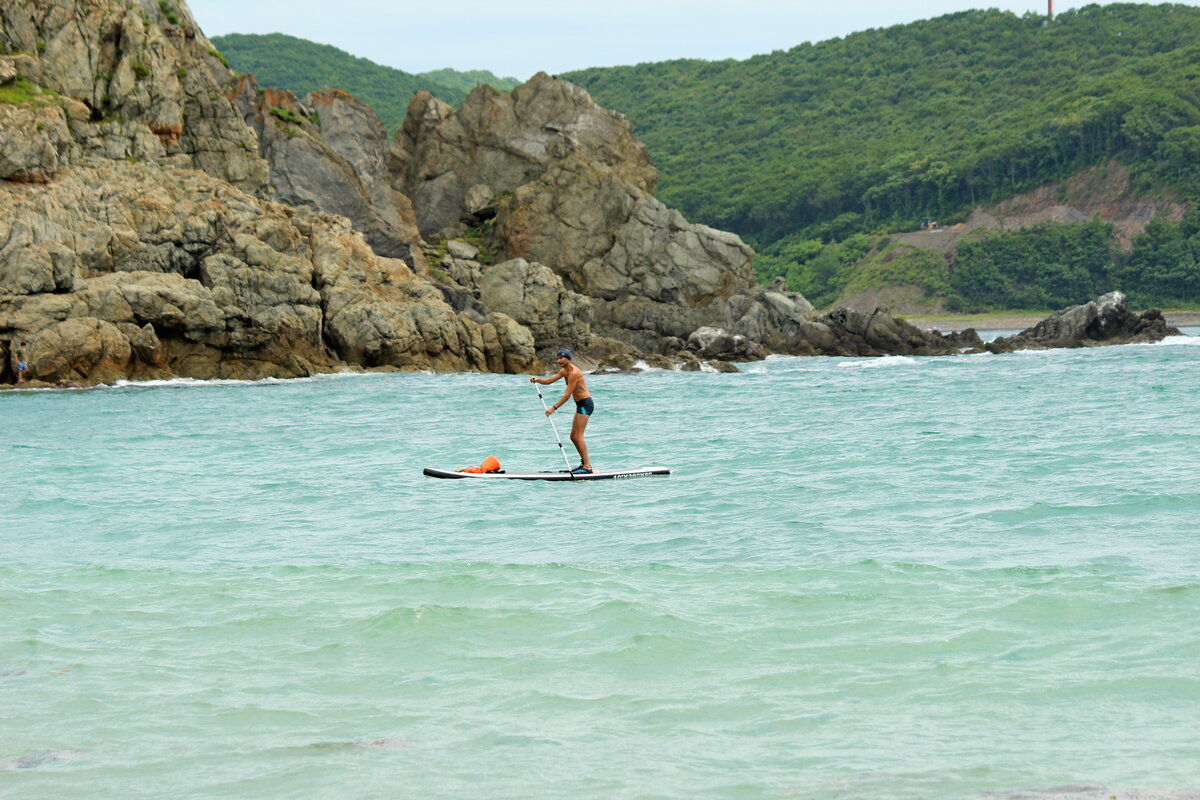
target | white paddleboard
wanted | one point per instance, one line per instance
(562, 475)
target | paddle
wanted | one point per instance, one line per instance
(538, 386)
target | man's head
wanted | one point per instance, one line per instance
(561, 354)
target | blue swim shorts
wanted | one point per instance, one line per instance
(585, 406)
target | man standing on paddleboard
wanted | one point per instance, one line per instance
(584, 406)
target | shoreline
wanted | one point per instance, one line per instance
(1019, 322)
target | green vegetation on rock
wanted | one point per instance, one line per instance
(303, 66)
(168, 12)
(19, 91)
(286, 114)
(217, 54)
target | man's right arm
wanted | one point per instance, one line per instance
(551, 379)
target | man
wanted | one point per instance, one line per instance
(22, 363)
(584, 406)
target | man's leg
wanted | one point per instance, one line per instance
(577, 426)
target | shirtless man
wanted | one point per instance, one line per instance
(584, 406)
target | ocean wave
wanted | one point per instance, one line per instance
(881, 361)
(194, 382)
(1176, 341)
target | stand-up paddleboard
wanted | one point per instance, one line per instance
(490, 468)
(641, 472)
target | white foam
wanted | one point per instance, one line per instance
(877, 362)
(642, 366)
(1176, 341)
(197, 382)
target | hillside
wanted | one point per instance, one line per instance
(887, 126)
(303, 66)
(805, 152)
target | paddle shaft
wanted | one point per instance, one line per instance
(545, 407)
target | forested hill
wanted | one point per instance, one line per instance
(876, 130)
(303, 66)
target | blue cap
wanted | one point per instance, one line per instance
(563, 353)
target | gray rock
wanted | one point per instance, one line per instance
(503, 141)
(1104, 321)
(478, 201)
(155, 75)
(845, 332)
(79, 349)
(709, 342)
(351, 129)
(535, 297)
(462, 250)
(35, 141)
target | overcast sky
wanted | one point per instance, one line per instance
(516, 38)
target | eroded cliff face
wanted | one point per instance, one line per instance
(329, 152)
(134, 270)
(129, 81)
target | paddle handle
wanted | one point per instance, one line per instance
(545, 407)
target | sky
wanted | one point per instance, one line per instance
(517, 38)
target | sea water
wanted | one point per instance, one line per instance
(956, 577)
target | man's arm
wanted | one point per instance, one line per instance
(551, 379)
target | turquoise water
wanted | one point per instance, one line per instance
(972, 577)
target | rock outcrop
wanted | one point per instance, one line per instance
(135, 270)
(845, 332)
(330, 153)
(548, 177)
(1104, 321)
(128, 80)
(450, 161)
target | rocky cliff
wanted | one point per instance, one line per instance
(159, 216)
(137, 237)
(118, 80)
(546, 176)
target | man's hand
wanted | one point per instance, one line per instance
(533, 379)
(549, 411)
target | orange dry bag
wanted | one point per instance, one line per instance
(490, 464)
